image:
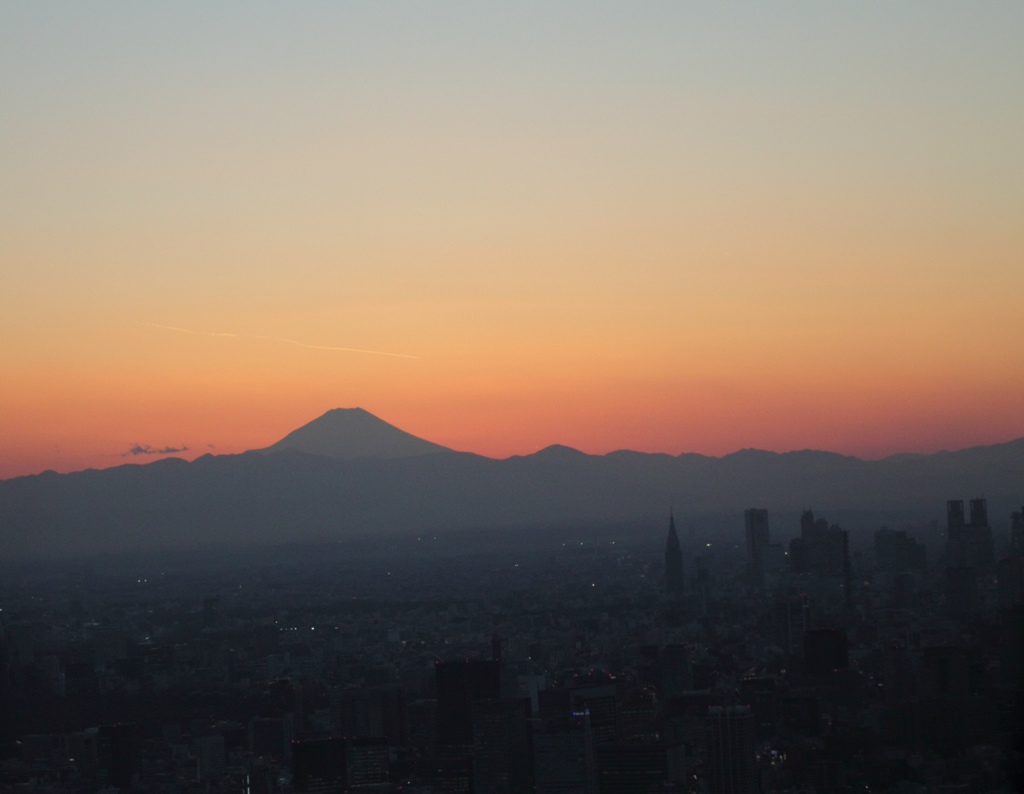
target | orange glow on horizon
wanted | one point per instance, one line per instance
(685, 230)
(96, 421)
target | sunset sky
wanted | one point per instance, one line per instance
(667, 227)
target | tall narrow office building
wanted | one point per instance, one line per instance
(756, 521)
(673, 561)
(731, 759)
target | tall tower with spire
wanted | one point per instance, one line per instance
(673, 560)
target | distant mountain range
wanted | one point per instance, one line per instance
(349, 474)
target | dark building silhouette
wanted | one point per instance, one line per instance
(825, 651)
(211, 755)
(756, 522)
(731, 759)
(979, 513)
(319, 765)
(1017, 533)
(801, 714)
(901, 676)
(701, 587)
(821, 549)
(116, 749)
(391, 702)
(352, 713)
(1010, 575)
(553, 703)
(635, 768)
(337, 764)
(792, 619)
(961, 591)
(673, 561)
(501, 745)
(956, 522)
(365, 711)
(459, 684)
(895, 551)
(762, 693)
(421, 719)
(945, 672)
(676, 672)
(980, 547)
(367, 762)
(847, 575)
(563, 756)
(453, 773)
(968, 545)
(601, 704)
(638, 715)
(903, 592)
(269, 736)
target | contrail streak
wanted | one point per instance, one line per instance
(280, 339)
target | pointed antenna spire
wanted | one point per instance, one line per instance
(673, 559)
(673, 536)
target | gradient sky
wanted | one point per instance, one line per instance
(666, 227)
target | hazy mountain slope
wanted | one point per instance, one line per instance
(295, 495)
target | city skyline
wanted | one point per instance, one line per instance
(668, 229)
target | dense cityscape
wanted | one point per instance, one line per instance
(768, 654)
(511, 398)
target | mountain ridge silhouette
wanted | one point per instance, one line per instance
(283, 493)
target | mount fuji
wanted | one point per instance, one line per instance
(349, 433)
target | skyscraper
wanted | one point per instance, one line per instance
(968, 545)
(1017, 533)
(731, 760)
(673, 561)
(459, 684)
(825, 651)
(792, 619)
(319, 764)
(955, 521)
(756, 520)
(501, 745)
(822, 549)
